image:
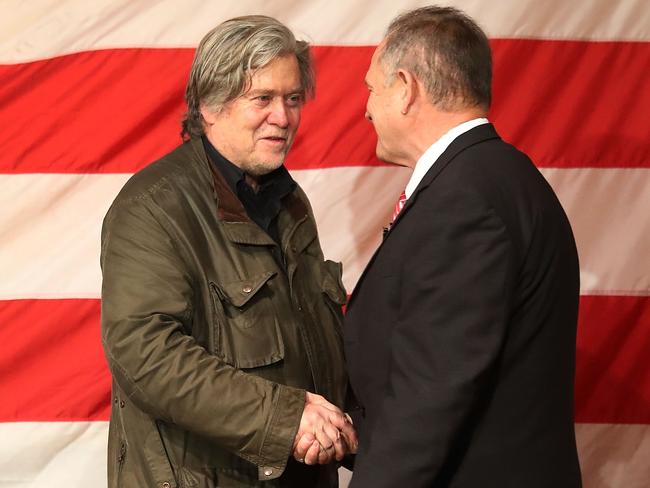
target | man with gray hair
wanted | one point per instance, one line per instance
(220, 317)
(460, 334)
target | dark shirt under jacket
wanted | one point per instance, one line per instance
(262, 206)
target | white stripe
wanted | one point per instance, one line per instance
(614, 455)
(45, 28)
(608, 210)
(352, 205)
(50, 225)
(65, 454)
(53, 454)
(58, 455)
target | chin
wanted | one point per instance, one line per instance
(266, 167)
(382, 155)
(386, 157)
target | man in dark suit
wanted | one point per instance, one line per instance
(460, 335)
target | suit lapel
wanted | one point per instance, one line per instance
(470, 138)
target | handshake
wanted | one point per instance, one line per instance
(325, 433)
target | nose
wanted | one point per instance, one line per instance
(368, 116)
(278, 115)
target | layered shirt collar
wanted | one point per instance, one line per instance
(434, 151)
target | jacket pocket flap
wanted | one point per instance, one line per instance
(238, 293)
(332, 283)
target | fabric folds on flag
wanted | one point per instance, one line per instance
(91, 92)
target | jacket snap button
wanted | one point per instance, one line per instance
(268, 472)
(121, 404)
(247, 289)
(166, 485)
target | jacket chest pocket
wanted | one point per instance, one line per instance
(247, 333)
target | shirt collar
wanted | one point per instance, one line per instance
(231, 173)
(279, 179)
(432, 154)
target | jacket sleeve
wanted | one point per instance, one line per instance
(454, 299)
(147, 295)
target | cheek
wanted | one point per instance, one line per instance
(377, 120)
(252, 120)
(259, 125)
(294, 115)
(369, 106)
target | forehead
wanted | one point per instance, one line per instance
(281, 74)
(374, 70)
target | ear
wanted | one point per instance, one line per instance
(209, 116)
(409, 89)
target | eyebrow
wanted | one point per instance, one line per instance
(274, 92)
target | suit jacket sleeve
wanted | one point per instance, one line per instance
(454, 306)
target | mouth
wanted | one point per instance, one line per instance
(274, 140)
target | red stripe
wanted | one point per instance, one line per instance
(566, 103)
(613, 378)
(104, 111)
(52, 365)
(574, 104)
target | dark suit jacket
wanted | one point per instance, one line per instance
(460, 335)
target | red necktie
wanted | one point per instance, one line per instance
(399, 206)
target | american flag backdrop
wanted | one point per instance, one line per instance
(92, 91)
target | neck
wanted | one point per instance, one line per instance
(433, 125)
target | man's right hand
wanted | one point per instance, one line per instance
(325, 433)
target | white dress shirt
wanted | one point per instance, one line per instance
(432, 154)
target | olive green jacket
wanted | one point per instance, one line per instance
(211, 341)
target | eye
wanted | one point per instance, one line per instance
(294, 100)
(263, 100)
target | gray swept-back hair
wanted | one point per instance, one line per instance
(227, 57)
(447, 51)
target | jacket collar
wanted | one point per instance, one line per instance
(474, 136)
(238, 227)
